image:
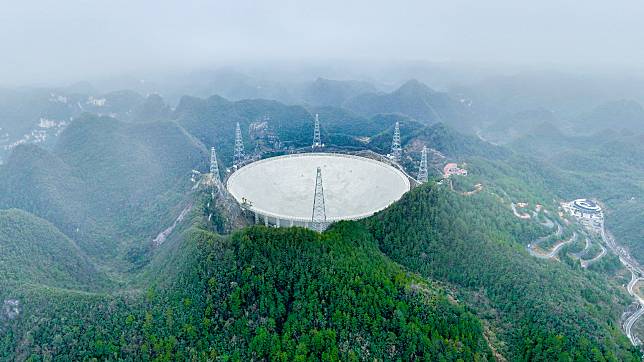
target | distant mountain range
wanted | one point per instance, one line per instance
(327, 92)
(38, 116)
(417, 101)
(442, 274)
(620, 115)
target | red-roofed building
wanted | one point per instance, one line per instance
(452, 169)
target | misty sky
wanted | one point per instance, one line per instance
(72, 39)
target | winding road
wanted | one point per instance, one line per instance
(550, 224)
(637, 272)
(630, 321)
(628, 325)
(586, 263)
(557, 247)
(581, 253)
(518, 214)
(555, 250)
(636, 275)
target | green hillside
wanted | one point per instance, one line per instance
(540, 311)
(350, 293)
(37, 115)
(415, 100)
(436, 276)
(35, 252)
(121, 103)
(285, 294)
(213, 120)
(454, 146)
(21, 109)
(153, 109)
(110, 186)
(615, 115)
(608, 166)
(328, 92)
(341, 121)
(39, 182)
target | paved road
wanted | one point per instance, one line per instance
(555, 250)
(557, 247)
(586, 263)
(636, 275)
(550, 224)
(581, 253)
(523, 215)
(637, 272)
(631, 285)
(628, 325)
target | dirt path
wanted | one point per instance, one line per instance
(477, 188)
(160, 239)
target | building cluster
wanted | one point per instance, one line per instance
(453, 169)
(587, 211)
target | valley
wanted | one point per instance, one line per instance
(325, 181)
(144, 255)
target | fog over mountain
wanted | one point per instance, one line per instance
(321, 180)
(78, 39)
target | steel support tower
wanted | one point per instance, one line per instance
(238, 157)
(396, 150)
(318, 220)
(422, 170)
(214, 166)
(317, 142)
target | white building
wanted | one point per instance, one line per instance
(587, 211)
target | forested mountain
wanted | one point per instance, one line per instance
(228, 83)
(508, 127)
(449, 144)
(119, 104)
(20, 109)
(260, 294)
(39, 115)
(213, 120)
(328, 92)
(33, 116)
(291, 293)
(153, 109)
(541, 311)
(335, 120)
(607, 166)
(442, 274)
(620, 115)
(104, 178)
(38, 181)
(415, 100)
(577, 105)
(374, 181)
(568, 94)
(35, 252)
